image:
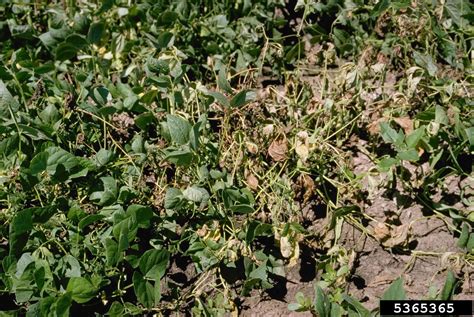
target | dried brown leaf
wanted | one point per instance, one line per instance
(398, 236)
(406, 123)
(278, 150)
(252, 147)
(306, 183)
(381, 231)
(302, 145)
(252, 181)
(374, 126)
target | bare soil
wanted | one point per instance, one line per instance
(421, 252)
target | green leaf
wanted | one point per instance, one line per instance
(39, 163)
(386, 163)
(65, 51)
(395, 291)
(81, 289)
(222, 81)
(34, 133)
(449, 286)
(196, 194)
(57, 156)
(144, 290)
(242, 98)
(142, 214)
(294, 307)
(389, 135)
(41, 214)
(220, 98)
(355, 305)
(90, 219)
(470, 243)
(109, 195)
(179, 129)
(425, 61)
(470, 137)
(112, 253)
(103, 156)
(158, 66)
(6, 100)
(116, 310)
(456, 9)
(137, 144)
(50, 114)
(440, 115)
(463, 238)
(19, 231)
(194, 136)
(379, 8)
(153, 264)
(144, 120)
(259, 273)
(168, 17)
(125, 231)
(62, 305)
(251, 231)
(321, 302)
(172, 198)
(96, 31)
(414, 138)
(242, 209)
(78, 41)
(408, 155)
(180, 157)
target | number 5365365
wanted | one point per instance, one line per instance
(431, 308)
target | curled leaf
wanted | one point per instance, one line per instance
(278, 150)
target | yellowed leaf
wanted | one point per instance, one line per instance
(302, 145)
(290, 249)
(285, 247)
(252, 147)
(295, 256)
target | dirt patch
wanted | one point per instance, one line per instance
(284, 293)
(422, 256)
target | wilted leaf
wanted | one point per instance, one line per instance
(251, 147)
(398, 236)
(252, 181)
(302, 145)
(425, 61)
(381, 231)
(406, 123)
(278, 150)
